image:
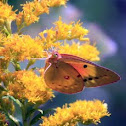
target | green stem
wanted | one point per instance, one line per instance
(20, 28)
(32, 115)
(31, 62)
(16, 65)
(27, 120)
(6, 31)
(8, 26)
(24, 111)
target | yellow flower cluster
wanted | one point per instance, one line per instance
(6, 104)
(70, 31)
(27, 85)
(3, 120)
(15, 47)
(21, 47)
(31, 10)
(63, 31)
(6, 13)
(55, 3)
(86, 51)
(3, 65)
(2, 36)
(86, 112)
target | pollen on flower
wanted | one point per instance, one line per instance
(63, 31)
(54, 3)
(21, 47)
(27, 85)
(3, 66)
(6, 104)
(32, 10)
(70, 31)
(86, 51)
(86, 112)
(2, 36)
(6, 13)
(3, 120)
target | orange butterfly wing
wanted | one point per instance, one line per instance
(63, 77)
(92, 74)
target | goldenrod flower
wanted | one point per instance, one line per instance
(19, 19)
(54, 3)
(31, 10)
(2, 36)
(86, 112)
(86, 51)
(6, 13)
(3, 66)
(63, 31)
(3, 121)
(21, 47)
(70, 31)
(27, 85)
(5, 103)
(48, 35)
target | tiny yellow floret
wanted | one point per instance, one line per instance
(6, 13)
(86, 50)
(3, 120)
(27, 85)
(86, 112)
(32, 10)
(21, 47)
(54, 3)
(62, 31)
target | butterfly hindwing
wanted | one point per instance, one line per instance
(63, 77)
(92, 74)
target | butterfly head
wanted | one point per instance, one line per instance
(54, 57)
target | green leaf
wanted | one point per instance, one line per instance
(33, 68)
(2, 88)
(16, 101)
(31, 62)
(12, 120)
(16, 65)
(38, 116)
(18, 111)
(30, 111)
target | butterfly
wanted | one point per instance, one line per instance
(70, 74)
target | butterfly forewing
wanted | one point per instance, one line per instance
(92, 74)
(63, 77)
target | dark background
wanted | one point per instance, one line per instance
(106, 20)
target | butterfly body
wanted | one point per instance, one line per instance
(70, 74)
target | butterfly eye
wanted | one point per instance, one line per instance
(56, 55)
